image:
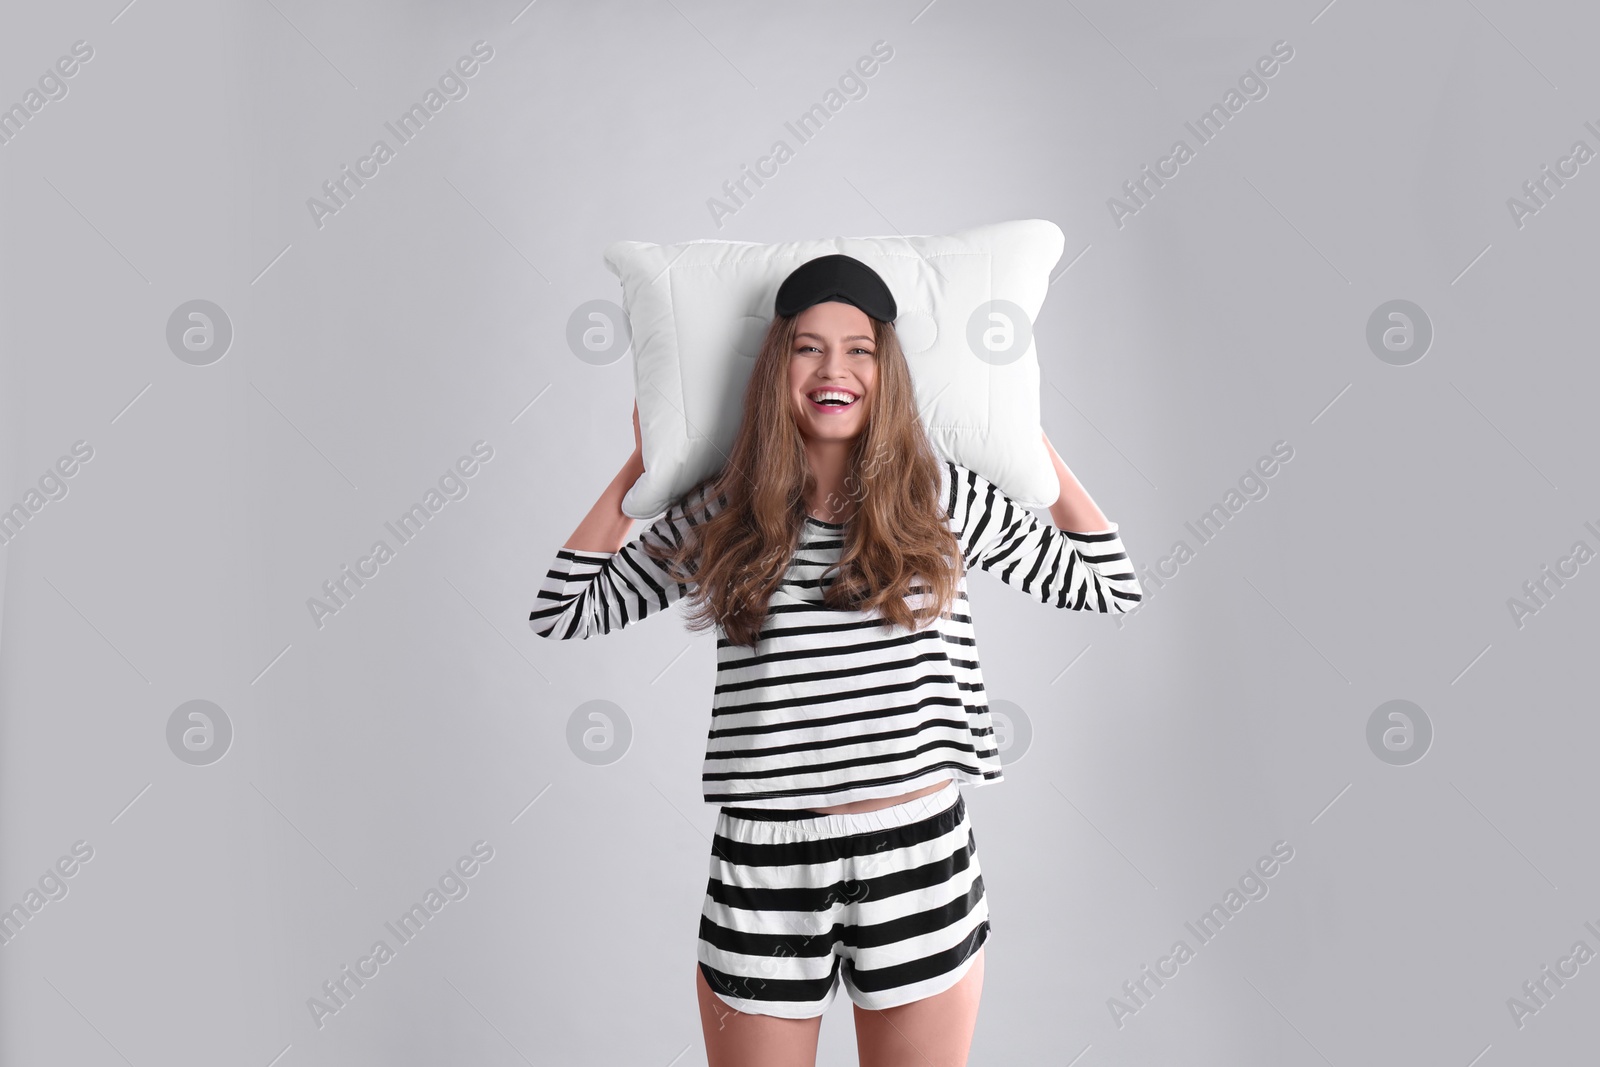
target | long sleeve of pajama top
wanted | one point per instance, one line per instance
(831, 706)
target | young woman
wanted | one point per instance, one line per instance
(831, 554)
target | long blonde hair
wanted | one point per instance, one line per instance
(737, 556)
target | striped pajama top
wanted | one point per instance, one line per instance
(833, 706)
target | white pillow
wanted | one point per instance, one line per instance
(699, 310)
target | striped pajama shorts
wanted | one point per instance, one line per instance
(890, 900)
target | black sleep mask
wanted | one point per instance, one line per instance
(835, 277)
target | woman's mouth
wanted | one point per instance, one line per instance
(832, 401)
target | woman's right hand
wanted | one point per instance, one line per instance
(638, 442)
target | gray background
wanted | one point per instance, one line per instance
(369, 354)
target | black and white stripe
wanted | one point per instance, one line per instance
(834, 706)
(891, 901)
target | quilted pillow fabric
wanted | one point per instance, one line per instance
(967, 301)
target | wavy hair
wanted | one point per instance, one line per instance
(735, 557)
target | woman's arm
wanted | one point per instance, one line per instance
(601, 581)
(606, 528)
(1065, 568)
(1073, 509)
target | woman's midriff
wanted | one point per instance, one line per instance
(879, 802)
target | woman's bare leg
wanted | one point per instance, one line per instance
(933, 1032)
(737, 1039)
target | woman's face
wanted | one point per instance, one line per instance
(834, 359)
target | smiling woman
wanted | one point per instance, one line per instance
(831, 375)
(849, 704)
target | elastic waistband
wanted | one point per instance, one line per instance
(842, 824)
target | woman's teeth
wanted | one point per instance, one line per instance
(832, 398)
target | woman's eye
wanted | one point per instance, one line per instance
(814, 348)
